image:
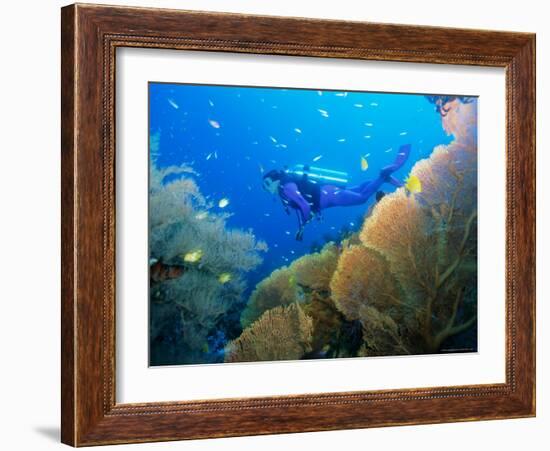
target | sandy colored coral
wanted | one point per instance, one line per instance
(276, 289)
(380, 334)
(363, 278)
(461, 121)
(282, 333)
(285, 285)
(314, 271)
(429, 240)
(327, 321)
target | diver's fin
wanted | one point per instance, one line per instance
(400, 160)
(402, 155)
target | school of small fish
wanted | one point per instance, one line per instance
(412, 184)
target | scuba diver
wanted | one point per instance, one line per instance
(309, 190)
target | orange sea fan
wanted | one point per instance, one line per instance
(276, 289)
(461, 121)
(314, 271)
(362, 278)
(400, 230)
(282, 333)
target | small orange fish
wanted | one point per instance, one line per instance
(159, 272)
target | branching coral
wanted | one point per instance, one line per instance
(381, 334)
(285, 285)
(412, 281)
(192, 297)
(430, 242)
(314, 271)
(461, 122)
(363, 278)
(406, 282)
(327, 321)
(278, 288)
(282, 333)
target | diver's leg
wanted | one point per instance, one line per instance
(369, 188)
(360, 188)
(332, 196)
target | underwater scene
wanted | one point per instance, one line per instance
(290, 224)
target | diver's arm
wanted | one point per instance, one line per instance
(291, 192)
(300, 231)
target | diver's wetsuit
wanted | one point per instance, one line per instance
(309, 199)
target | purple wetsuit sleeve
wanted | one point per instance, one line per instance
(293, 195)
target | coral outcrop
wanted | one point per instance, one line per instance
(275, 290)
(362, 278)
(188, 298)
(285, 285)
(282, 333)
(405, 283)
(426, 242)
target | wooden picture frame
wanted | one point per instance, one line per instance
(90, 412)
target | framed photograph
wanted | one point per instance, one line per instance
(279, 225)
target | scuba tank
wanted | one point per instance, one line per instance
(318, 175)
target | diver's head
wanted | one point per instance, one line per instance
(272, 181)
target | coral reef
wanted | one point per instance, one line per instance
(188, 298)
(404, 283)
(275, 290)
(289, 284)
(430, 243)
(314, 271)
(327, 323)
(381, 335)
(362, 278)
(282, 333)
(443, 103)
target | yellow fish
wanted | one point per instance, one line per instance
(413, 184)
(205, 348)
(364, 164)
(193, 257)
(224, 277)
(223, 202)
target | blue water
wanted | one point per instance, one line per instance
(257, 133)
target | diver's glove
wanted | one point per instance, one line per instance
(300, 234)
